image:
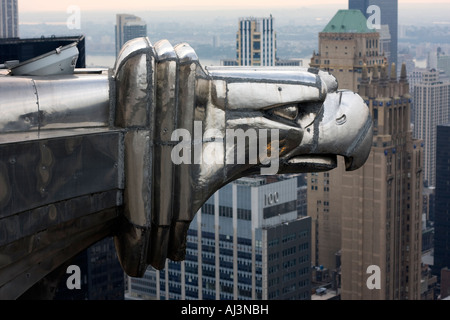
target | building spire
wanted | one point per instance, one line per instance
(393, 72)
(365, 74)
(403, 74)
(375, 75)
(383, 72)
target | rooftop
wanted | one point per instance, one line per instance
(348, 21)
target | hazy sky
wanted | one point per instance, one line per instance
(116, 5)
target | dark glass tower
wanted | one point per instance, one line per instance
(389, 16)
(442, 204)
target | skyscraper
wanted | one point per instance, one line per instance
(345, 45)
(372, 216)
(388, 10)
(128, 27)
(443, 62)
(247, 242)
(256, 42)
(431, 108)
(9, 19)
(442, 204)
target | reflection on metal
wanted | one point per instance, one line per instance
(61, 61)
(79, 147)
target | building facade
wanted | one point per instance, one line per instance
(256, 42)
(128, 27)
(442, 204)
(443, 63)
(431, 108)
(246, 243)
(9, 19)
(345, 45)
(371, 216)
(388, 14)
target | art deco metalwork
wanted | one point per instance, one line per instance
(91, 154)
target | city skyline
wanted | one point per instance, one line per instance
(29, 5)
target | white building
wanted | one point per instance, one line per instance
(246, 243)
(431, 108)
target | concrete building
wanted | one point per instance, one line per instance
(9, 19)
(128, 27)
(387, 12)
(443, 63)
(247, 242)
(256, 42)
(372, 216)
(289, 63)
(431, 108)
(345, 45)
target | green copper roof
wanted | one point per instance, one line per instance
(348, 21)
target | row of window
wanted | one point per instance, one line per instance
(287, 238)
(288, 264)
(243, 214)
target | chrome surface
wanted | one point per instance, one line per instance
(65, 137)
(56, 102)
(316, 123)
(58, 62)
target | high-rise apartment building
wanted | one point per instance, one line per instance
(431, 108)
(256, 42)
(247, 243)
(9, 19)
(370, 217)
(442, 204)
(387, 12)
(128, 27)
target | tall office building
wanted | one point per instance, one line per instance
(442, 204)
(128, 27)
(345, 45)
(372, 216)
(431, 108)
(443, 62)
(247, 242)
(389, 21)
(9, 19)
(256, 42)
